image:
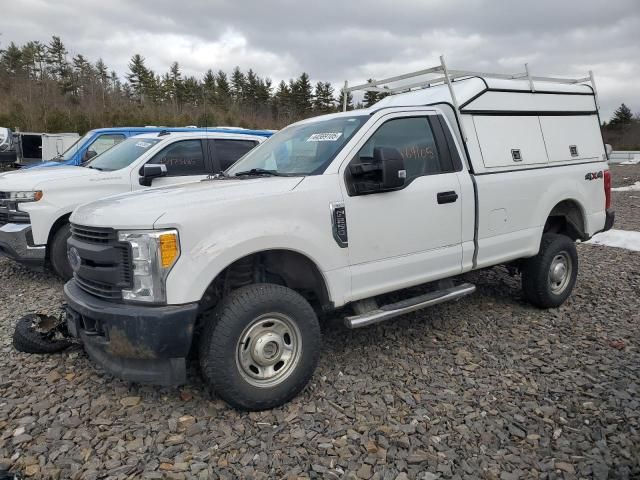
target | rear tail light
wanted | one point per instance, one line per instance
(607, 189)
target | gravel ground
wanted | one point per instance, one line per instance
(488, 387)
(626, 204)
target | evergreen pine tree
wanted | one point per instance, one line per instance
(238, 85)
(323, 101)
(223, 90)
(302, 93)
(11, 59)
(56, 59)
(282, 100)
(138, 76)
(621, 117)
(209, 88)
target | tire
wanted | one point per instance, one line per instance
(58, 253)
(237, 335)
(543, 287)
(28, 340)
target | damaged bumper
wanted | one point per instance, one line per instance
(16, 242)
(144, 344)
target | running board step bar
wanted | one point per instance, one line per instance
(409, 305)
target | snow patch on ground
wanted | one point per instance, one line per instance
(618, 238)
(629, 188)
(635, 161)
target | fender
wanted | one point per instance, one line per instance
(297, 220)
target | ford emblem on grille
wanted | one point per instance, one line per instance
(74, 258)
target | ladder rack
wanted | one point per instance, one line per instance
(446, 76)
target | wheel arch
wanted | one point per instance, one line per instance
(567, 217)
(283, 266)
(60, 221)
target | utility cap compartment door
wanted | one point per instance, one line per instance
(570, 138)
(510, 141)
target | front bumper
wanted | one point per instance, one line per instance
(16, 242)
(144, 344)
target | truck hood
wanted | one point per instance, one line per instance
(142, 209)
(32, 179)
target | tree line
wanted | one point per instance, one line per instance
(42, 88)
(623, 130)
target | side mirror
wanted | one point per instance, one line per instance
(385, 172)
(151, 171)
(88, 155)
(392, 167)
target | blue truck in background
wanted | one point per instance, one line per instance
(99, 140)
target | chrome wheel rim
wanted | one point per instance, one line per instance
(560, 272)
(269, 350)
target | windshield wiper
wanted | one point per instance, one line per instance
(260, 171)
(96, 168)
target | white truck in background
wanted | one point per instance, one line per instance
(35, 204)
(334, 212)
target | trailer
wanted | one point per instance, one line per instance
(31, 147)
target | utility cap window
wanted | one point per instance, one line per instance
(182, 158)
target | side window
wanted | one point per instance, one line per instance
(228, 151)
(414, 139)
(104, 143)
(182, 158)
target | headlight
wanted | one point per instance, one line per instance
(20, 197)
(154, 252)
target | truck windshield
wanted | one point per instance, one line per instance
(123, 154)
(304, 149)
(71, 151)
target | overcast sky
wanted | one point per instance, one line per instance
(349, 39)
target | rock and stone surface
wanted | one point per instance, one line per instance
(488, 387)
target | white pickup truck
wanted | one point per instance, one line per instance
(332, 213)
(35, 204)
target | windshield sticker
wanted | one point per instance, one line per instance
(143, 144)
(324, 137)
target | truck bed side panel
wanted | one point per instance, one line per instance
(514, 207)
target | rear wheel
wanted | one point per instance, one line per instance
(58, 253)
(549, 277)
(260, 346)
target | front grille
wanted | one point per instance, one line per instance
(105, 263)
(13, 216)
(94, 234)
(99, 289)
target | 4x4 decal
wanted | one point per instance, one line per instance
(593, 175)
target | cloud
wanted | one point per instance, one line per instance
(354, 40)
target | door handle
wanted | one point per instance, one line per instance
(447, 197)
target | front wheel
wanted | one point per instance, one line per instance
(58, 253)
(549, 277)
(260, 346)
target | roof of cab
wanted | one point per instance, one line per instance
(200, 133)
(262, 133)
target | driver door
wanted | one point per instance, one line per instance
(412, 234)
(186, 161)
